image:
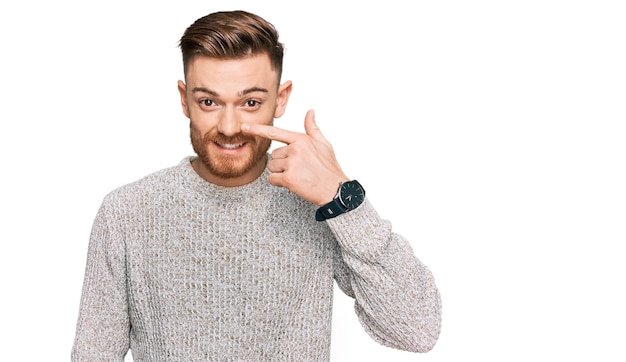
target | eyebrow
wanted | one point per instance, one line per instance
(242, 93)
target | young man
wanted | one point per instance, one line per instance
(232, 255)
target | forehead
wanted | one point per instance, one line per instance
(226, 75)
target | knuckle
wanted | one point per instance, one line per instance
(272, 132)
(288, 179)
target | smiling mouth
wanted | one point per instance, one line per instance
(230, 146)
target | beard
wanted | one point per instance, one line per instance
(227, 166)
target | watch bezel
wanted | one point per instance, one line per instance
(351, 189)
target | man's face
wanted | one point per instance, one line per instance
(219, 96)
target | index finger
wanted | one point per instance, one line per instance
(269, 132)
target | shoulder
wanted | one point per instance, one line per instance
(147, 188)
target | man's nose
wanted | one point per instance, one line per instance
(229, 123)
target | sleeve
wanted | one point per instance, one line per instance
(396, 298)
(103, 328)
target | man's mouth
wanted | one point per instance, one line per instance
(230, 146)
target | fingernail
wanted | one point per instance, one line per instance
(245, 127)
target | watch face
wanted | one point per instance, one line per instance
(351, 194)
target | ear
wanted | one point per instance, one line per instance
(182, 89)
(283, 96)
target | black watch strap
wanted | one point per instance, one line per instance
(330, 210)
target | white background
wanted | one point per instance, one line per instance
(491, 133)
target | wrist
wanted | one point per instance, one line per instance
(350, 195)
(331, 191)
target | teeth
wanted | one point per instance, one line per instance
(230, 146)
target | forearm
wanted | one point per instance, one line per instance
(397, 300)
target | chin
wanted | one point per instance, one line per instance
(229, 167)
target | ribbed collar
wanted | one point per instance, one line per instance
(192, 181)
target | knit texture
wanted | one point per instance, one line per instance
(179, 269)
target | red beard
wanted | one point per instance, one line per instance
(225, 166)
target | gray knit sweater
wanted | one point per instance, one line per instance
(179, 269)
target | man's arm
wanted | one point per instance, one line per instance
(102, 331)
(396, 298)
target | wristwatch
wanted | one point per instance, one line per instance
(350, 195)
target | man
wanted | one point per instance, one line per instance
(232, 255)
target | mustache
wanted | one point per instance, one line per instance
(210, 137)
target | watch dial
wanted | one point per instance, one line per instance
(352, 194)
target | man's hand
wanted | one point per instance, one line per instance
(307, 165)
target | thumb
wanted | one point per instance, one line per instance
(310, 126)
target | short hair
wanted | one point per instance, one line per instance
(232, 35)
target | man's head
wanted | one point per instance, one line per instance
(233, 64)
(232, 35)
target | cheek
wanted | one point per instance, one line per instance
(194, 126)
(202, 122)
(196, 135)
(264, 116)
(262, 145)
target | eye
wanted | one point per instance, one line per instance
(251, 103)
(206, 103)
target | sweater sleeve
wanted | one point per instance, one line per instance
(396, 298)
(102, 331)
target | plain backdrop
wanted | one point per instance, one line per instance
(491, 133)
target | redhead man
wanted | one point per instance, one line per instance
(232, 254)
